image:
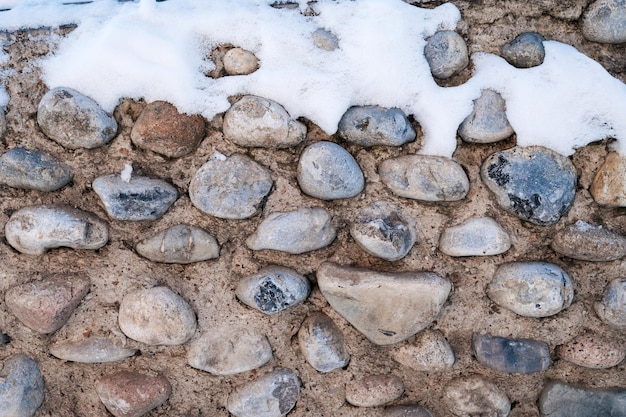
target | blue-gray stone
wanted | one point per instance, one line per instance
(21, 387)
(273, 394)
(534, 183)
(525, 51)
(446, 53)
(612, 308)
(523, 356)
(322, 344)
(34, 170)
(605, 21)
(375, 125)
(4, 339)
(558, 399)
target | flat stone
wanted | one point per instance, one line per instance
(74, 120)
(430, 352)
(383, 230)
(531, 289)
(609, 185)
(375, 125)
(446, 53)
(21, 386)
(229, 350)
(3, 123)
(325, 39)
(589, 243)
(477, 236)
(91, 350)
(558, 399)
(475, 396)
(180, 244)
(273, 289)
(258, 122)
(505, 354)
(487, 123)
(425, 177)
(612, 308)
(132, 394)
(273, 394)
(386, 307)
(328, 172)
(295, 232)
(374, 390)
(407, 411)
(322, 344)
(238, 61)
(525, 51)
(534, 183)
(33, 170)
(157, 316)
(605, 21)
(592, 351)
(162, 129)
(45, 306)
(141, 198)
(232, 187)
(35, 229)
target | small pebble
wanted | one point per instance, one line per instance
(425, 177)
(45, 306)
(35, 229)
(612, 308)
(4, 339)
(478, 236)
(273, 394)
(238, 61)
(605, 22)
(157, 316)
(475, 396)
(487, 123)
(504, 354)
(407, 411)
(132, 394)
(295, 232)
(91, 350)
(446, 54)
(180, 244)
(531, 289)
(21, 387)
(328, 172)
(609, 185)
(33, 170)
(233, 187)
(589, 243)
(140, 198)
(374, 390)
(525, 51)
(592, 351)
(258, 122)
(325, 39)
(430, 352)
(375, 125)
(558, 399)
(322, 344)
(74, 120)
(273, 289)
(3, 123)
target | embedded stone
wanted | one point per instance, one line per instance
(3, 123)
(375, 125)
(612, 308)
(478, 236)
(589, 243)
(487, 123)
(91, 350)
(273, 289)
(407, 411)
(325, 39)
(525, 51)
(180, 244)
(33, 170)
(430, 352)
(558, 399)
(132, 394)
(4, 338)
(446, 53)
(273, 394)
(374, 390)
(238, 61)
(605, 21)
(321, 342)
(475, 396)
(592, 351)
(21, 386)
(609, 185)
(504, 354)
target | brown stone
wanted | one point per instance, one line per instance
(609, 186)
(374, 390)
(430, 352)
(132, 394)
(592, 351)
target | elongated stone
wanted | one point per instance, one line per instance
(321, 342)
(612, 308)
(375, 125)
(34, 170)
(609, 185)
(91, 350)
(180, 244)
(478, 236)
(273, 394)
(505, 354)
(407, 411)
(592, 351)
(430, 352)
(589, 243)
(21, 387)
(273, 289)
(559, 399)
(132, 394)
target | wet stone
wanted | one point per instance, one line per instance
(33, 170)
(425, 177)
(525, 51)
(74, 120)
(21, 386)
(45, 306)
(612, 308)
(325, 39)
(430, 352)
(487, 123)
(558, 399)
(238, 61)
(375, 125)
(328, 172)
(132, 394)
(273, 394)
(592, 351)
(322, 344)
(531, 289)
(35, 229)
(273, 289)
(232, 187)
(478, 236)
(475, 396)
(589, 243)
(609, 185)
(91, 350)
(446, 54)
(504, 354)
(180, 244)
(374, 390)
(534, 183)
(605, 21)
(407, 411)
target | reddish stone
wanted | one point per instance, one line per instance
(132, 394)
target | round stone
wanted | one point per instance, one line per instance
(605, 21)
(180, 244)
(592, 351)
(612, 308)
(589, 243)
(475, 396)
(525, 51)
(273, 289)
(446, 53)
(91, 350)
(375, 125)
(21, 386)
(33, 170)
(504, 354)
(238, 61)
(273, 394)
(478, 236)
(321, 342)
(430, 352)
(487, 123)
(325, 39)
(374, 390)
(132, 394)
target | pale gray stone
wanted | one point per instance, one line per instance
(487, 123)
(325, 39)
(589, 243)
(605, 21)
(505, 354)
(374, 390)
(559, 399)
(322, 344)
(21, 387)
(375, 125)
(475, 396)
(592, 351)
(33, 170)
(91, 350)
(525, 51)
(612, 308)
(273, 289)
(273, 394)
(407, 411)
(132, 394)
(430, 352)
(477, 236)
(238, 61)
(446, 53)
(180, 244)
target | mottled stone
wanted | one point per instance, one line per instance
(35, 229)
(612, 308)
(386, 307)
(478, 236)
(558, 399)
(74, 120)
(273, 394)
(33, 170)
(605, 21)
(238, 61)
(180, 244)
(375, 125)
(475, 396)
(525, 51)
(374, 390)
(446, 54)
(321, 342)
(430, 352)
(21, 387)
(407, 411)
(273, 289)
(91, 350)
(589, 243)
(487, 123)
(325, 39)
(592, 351)
(531, 289)
(504, 354)
(132, 394)
(609, 185)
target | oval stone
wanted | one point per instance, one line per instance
(589, 243)
(375, 125)
(446, 53)
(91, 350)
(525, 51)
(21, 386)
(504, 354)
(478, 236)
(605, 22)
(325, 39)
(180, 244)
(430, 352)
(273, 394)
(321, 342)
(487, 123)
(407, 411)
(609, 185)
(558, 399)
(592, 351)
(273, 289)
(238, 61)
(476, 396)
(374, 390)
(33, 170)
(612, 308)
(132, 394)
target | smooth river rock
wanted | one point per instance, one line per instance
(239, 61)
(21, 386)
(559, 399)
(273, 289)
(322, 344)
(374, 390)
(592, 351)
(609, 185)
(476, 396)
(477, 236)
(525, 51)
(91, 350)
(430, 352)
(132, 394)
(605, 22)
(487, 123)
(375, 125)
(33, 170)
(407, 411)
(612, 307)
(589, 243)
(180, 244)
(273, 394)
(446, 53)
(505, 354)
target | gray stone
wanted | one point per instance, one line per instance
(3, 123)
(504, 354)
(534, 183)
(446, 54)
(238, 61)
(157, 316)
(430, 352)
(273, 289)
(273, 394)
(33, 170)
(229, 350)
(382, 230)
(325, 39)
(258, 122)
(374, 390)
(407, 411)
(141, 198)
(180, 244)
(91, 350)
(375, 125)
(4, 338)
(35, 229)
(487, 123)
(531, 289)
(612, 308)
(321, 342)
(386, 307)
(558, 399)
(525, 51)
(132, 394)
(589, 243)
(425, 177)
(592, 351)
(605, 21)
(21, 387)
(294, 232)
(232, 187)
(478, 236)
(475, 396)
(328, 172)
(74, 120)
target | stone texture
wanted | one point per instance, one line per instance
(238, 61)
(475, 396)
(273, 289)
(91, 350)
(609, 185)
(33, 170)
(505, 354)
(386, 307)
(477, 236)
(374, 390)
(605, 21)
(430, 352)
(487, 123)
(592, 351)
(589, 243)
(132, 394)
(21, 387)
(322, 344)
(612, 308)
(4, 338)
(180, 244)
(375, 125)
(273, 394)
(525, 51)
(446, 54)
(558, 399)
(325, 39)
(407, 411)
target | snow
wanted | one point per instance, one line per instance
(126, 173)
(152, 50)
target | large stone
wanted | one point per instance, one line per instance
(374, 390)
(239, 61)
(375, 125)
(589, 243)
(525, 51)
(132, 394)
(273, 394)
(430, 352)
(273, 289)
(504, 354)
(478, 236)
(33, 170)
(386, 307)
(592, 351)
(487, 123)
(475, 396)
(21, 387)
(609, 185)
(558, 399)
(605, 21)
(612, 308)
(91, 350)
(180, 244)
(446, 53)
(321, 342)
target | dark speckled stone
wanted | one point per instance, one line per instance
(34, 170)
(511, 355)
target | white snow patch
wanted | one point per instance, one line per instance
(126, 173)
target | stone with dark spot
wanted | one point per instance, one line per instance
(34, 170)
(374, 390)
(375, 125)
(21, 387)
(487, 123)
(321, 342)
(132, 394)
(273, 394)
(525, 51)
(273, 289)
(504, 354)
(589, 243)
(605, 21)
(559, 399)
(476, 396)
(4, 338)
(592, 351)
(612, 308)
